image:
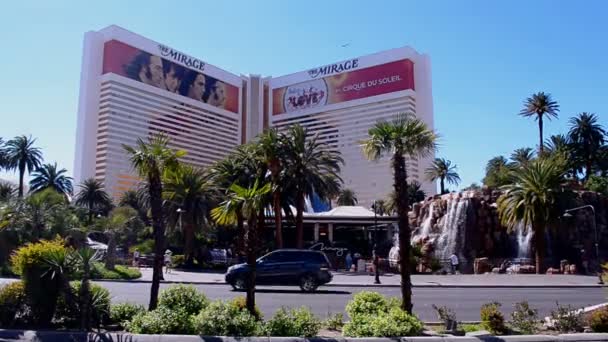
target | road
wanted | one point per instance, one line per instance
(465, 301)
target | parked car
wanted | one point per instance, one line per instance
(308, 269)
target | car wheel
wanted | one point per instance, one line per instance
(308, 283)
(239, 284)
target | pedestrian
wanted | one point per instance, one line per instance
(376, 263)
(454, 263)
(349, 261)
(168, 262)
(584, 262)
(136, 258)
(356, 258)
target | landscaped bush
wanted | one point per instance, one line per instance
(447, 316)
(12, 303)
(183, 297)
(567, 319)
(178, 260)
(240, 303)
(367, 303)
(492, 319)
(223, 319)
(296, 322)
(99, 271)
(99, 307)
(124, 312)
(470, 327)
(145, 247)
(525, 319)
(334, 321)
(392, 324)
(599, 320)
(161, 321)
(41, 287)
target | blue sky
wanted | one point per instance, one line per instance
(486, 56)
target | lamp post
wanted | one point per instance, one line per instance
(597, 246)
(376, 260)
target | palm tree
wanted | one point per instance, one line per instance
(540, 105)
(404, 136)
(380, 207)
(247, 202)
(587, 137)
(497, 172)
(7, 191)
(414, 192)
(93, 197)
(151, 160)
(48, 177)
(272, 147)
(3, 155)
(532, 200)
(522, 156)
(136, 200)
(557, 143)
(193, 193)
(117, 221)
(443, 170)
(312, 169)
(347, 197)
(22, 155)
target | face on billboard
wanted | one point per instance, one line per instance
(141, 66)
(346, 86)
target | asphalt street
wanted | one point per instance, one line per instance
(465, 301)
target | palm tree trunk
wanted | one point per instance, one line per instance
(442, 186)
(251, 262)
(110, 256)
(278, 219)
(300, 202)
(240, 240)
(404, 230)
(85, 298)
(189, 242)
(539, 246)
(21, 172)
(541, 148)
(156, 189)
(588, 167)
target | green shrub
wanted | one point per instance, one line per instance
(222, 319)
(395, 323)
(42, 288)
(566, 319)
(334, 321)
(367, 303)
(525, 319)
(161, 321)
(599, 320)
(470, 327)
(99, 306)
(178, 260)
(99, 271)
(296, 322)
(240, 303)
(183, 297)
(492, 319)
(12, 303)
(145, 247)
(123, 313)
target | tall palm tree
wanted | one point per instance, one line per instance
(557, 143)
(443, 170)
(246, 202)
(312, 169)
(136, 200)
(49, 177)
(22, 155)
(272, 146)
(522, 156)
(532, 200)
(587, 137)
(190, 195)
(93, 197)
(497, 172)
(347, 197)
(404, 136)
(540, 105)
(151, 160)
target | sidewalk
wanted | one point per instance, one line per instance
(345, 279)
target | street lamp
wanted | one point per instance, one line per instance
(597, 246)
(376, 260)
(179, 212)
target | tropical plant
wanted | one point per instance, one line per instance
(312, 168)
(540, 105)
(224, 319)
(405, 136)
(474, 186)
(498, 172)
(190, 195)
(492, 319)
(248, 202)
(442, 169)
(7, 191)
(597, 184)
(3, 155)
(183, 297)
(93, 197)
(295, 322)
(522, 156)
(347, 197)
(151, 160)
(414, 192)
(136, 200)
(48, 177)
(116, 224)
(22, 155)
(532, 200)
(587, 137)
(524, 318)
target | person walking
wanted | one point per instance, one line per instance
(168, 261)
(376, 263)
(454, 263)
(136, 257)
(349, 261)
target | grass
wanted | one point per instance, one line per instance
(99, 271)
(470, 327)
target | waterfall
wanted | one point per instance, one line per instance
(308, 205)
(453, 230)
(524, 236)
(427, 224)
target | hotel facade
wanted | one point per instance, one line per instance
(132, 87)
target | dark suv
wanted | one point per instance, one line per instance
(307, 268)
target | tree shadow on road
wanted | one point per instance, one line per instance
(294, 291)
